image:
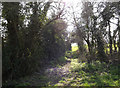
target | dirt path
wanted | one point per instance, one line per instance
(50, 76)
(56, 74)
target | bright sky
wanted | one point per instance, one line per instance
(77, 5)
(68, 16)
(71, 6)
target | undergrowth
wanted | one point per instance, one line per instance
(93, 74)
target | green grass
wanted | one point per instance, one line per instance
(74, 48)
(108, 49)
(83, 74)
(94, 74)
(74, 52)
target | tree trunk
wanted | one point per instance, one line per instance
(119, 36)
(110, 39)
(115, 46)
(11, 11)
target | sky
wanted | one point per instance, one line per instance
(68, 16)
(71, 6)
(74, 4)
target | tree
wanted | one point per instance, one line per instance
(11, 14)
(54, 42)
(21, 43)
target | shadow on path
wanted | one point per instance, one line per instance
(50, 75)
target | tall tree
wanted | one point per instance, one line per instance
(11, 13)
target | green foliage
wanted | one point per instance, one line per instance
(68, 54)
(27, 47)
(62, 59)
(53, 42)
(75, 54)
(22, 84)
(76, 66)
